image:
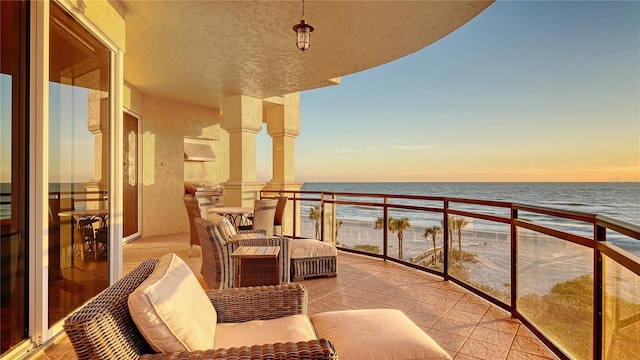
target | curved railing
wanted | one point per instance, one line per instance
(572, 278)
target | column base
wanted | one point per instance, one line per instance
(241, 193)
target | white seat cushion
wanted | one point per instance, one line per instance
(308, 248)
(292, 328)
(376, 334)
(171, 309)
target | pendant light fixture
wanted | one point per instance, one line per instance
(303, 33)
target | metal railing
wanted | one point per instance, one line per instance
(590, 262)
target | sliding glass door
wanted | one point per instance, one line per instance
(79, 113)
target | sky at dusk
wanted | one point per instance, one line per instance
(526, 91)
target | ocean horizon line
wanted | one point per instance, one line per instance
(474, 182)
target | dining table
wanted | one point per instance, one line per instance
(92, 215)
(237, 215)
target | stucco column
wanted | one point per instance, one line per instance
(242, 119)
(283, 125)
(98, 125)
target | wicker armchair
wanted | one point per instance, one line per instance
(104, 329)
(217, 264)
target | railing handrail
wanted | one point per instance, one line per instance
(597, 241)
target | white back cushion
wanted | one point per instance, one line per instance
(171, 309)
(225, 227)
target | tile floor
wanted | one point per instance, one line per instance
(466, 326)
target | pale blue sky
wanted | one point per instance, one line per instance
(526, 91)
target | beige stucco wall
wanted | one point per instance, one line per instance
(164, 125)
(107, 16)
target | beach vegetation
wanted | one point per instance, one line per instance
(315, 214)
(368, 248)
(565, 314)
(432, 232)
(394, 226)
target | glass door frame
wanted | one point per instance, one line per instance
(136, 234)
(39, 332)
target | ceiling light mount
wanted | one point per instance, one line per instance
(303, 33)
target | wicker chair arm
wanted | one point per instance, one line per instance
(313, 349)
(259, 303)
(283, 242)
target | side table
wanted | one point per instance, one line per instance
(256, 266)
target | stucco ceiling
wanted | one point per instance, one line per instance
(201, 51)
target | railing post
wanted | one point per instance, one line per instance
(600, 235)
(385, 229)
(295, 214)
(514, 260)
(322, 217)
(445, 237)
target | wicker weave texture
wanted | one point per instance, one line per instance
(103, 328)
(259, 303)
(307, 350)
(313, 266)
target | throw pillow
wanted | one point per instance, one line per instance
(171, 310)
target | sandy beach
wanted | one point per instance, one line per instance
(542, 261)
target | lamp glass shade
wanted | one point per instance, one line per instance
(303, 33)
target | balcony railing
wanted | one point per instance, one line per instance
(572, 278)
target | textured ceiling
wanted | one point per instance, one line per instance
(200, 51)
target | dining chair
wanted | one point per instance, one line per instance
(277, 220)
(193, 211)
(264, 211)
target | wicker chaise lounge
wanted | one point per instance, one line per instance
(104, 328)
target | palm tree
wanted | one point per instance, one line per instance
(315, 214)
(459, 224)
(338, 225)
(394, 225)
(399, 225)
(378, 224)
(433, 232)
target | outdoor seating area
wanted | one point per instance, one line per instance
(170, 316)
(465, 326)
(220, 237)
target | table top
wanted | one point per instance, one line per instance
(256, 252)
(87, 212)
(231, 210)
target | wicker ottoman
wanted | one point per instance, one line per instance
(311, 258)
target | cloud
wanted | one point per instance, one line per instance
(378, 149)
(360, 150)
(411, 147)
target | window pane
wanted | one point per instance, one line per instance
(78, 165)
(555, 290)
(621, 312)
(13, 161)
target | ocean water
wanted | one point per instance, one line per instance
(5, 196)
(619, 200)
